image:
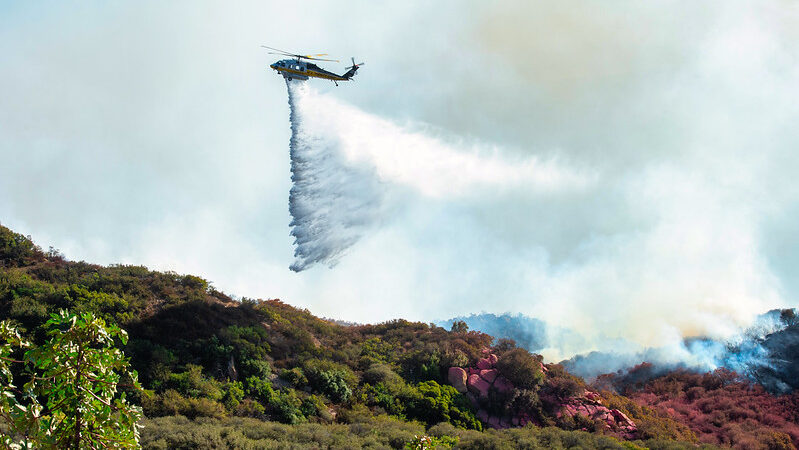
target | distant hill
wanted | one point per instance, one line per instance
(528, 332)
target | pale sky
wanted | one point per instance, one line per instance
(661, 139)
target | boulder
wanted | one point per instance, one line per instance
(622, 418)
(492, 359)
(483, 364)
(478, 385)
(593, 396)
(489, 375)
(457, 378)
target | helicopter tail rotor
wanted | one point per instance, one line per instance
(355, 66)
(352, 69)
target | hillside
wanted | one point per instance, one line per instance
(253, 373)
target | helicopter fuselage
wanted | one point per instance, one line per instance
(293, 69)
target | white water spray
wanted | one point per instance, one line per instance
(331, 202)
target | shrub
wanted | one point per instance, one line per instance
(334, 380)
(249, 408)
(285, 407)
(234, 393)
(296, 377)
(192, 383)
(259, 389)
(521, 368)
(382, 373)
(433, 403)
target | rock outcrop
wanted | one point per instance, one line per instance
(478, 383)
(484, 377)
(590, 406)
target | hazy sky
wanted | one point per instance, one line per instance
(661, 139)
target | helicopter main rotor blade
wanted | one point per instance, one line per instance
(279, 50)
(320, 59)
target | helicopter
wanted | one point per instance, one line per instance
(298, 68)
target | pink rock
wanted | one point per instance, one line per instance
(489, 375)
(492, 358)
(493, 421)
(593, 396)
(483, 364)
(622, 418)
(503, 385)
(515, 421)
(478, 385)
(482, 415)
(457, 378)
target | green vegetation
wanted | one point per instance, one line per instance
(376, 432)
(219, 373)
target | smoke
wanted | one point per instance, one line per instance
(332, 203)
(766, 352)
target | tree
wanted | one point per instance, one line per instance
(459, 326)
(72, 397)
(16, 416)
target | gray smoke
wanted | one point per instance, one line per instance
(332, 202)
(766, 352)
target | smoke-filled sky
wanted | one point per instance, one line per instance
(625, 169)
